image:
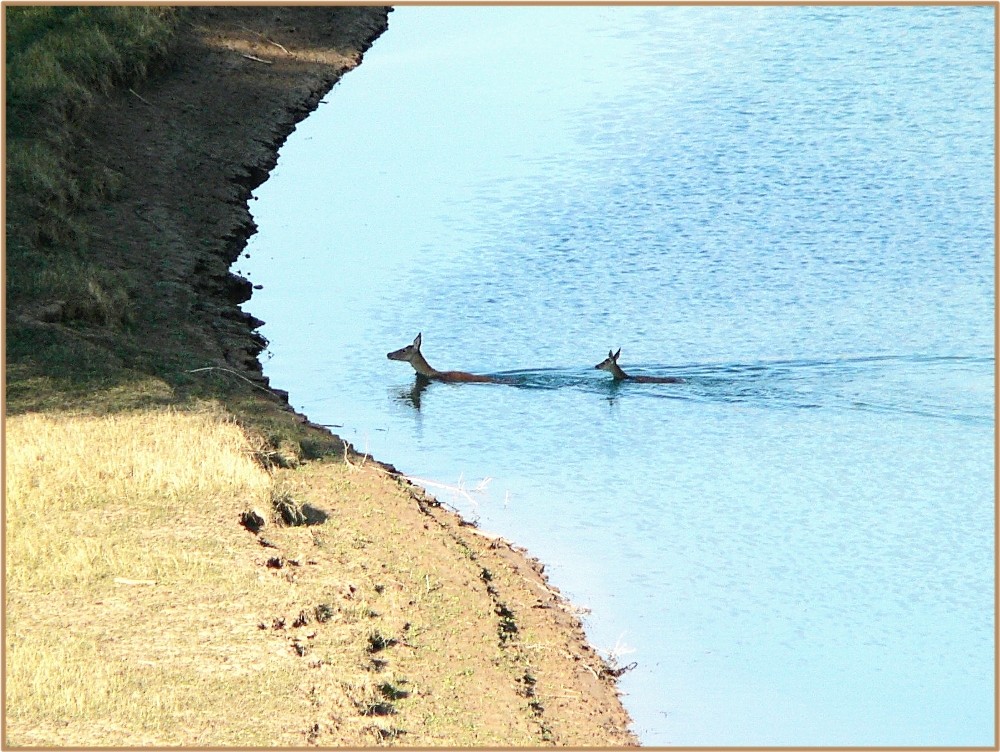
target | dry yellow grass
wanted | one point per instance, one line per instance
(92, 500)
(140, 612)
(82, 491)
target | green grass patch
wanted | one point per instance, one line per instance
(59, 60)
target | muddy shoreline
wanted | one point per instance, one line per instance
(191, 144)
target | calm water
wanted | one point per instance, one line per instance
(789, 207)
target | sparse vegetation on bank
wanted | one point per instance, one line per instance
(59, 61)
(83, 331)
(187, 560)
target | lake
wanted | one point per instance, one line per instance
(789, 208)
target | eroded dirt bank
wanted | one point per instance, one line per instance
(195, 140)
(190, 144)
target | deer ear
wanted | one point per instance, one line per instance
(610, 354)
(615, 356)
(416, 342)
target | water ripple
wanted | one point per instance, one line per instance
(889, 384)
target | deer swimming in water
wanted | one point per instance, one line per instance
(610, 364)
(411, 354)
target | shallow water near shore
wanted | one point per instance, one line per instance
(789, 208)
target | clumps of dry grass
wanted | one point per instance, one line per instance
(74, 290)
(58, 678)
(378, 642)
(383, 735)
(274, 452)
(79, 488)
(376, 698)
(125, 529)
(287, 508)
(105, 516)
(324, 612)
(290, 510)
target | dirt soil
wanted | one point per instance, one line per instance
(191, 144)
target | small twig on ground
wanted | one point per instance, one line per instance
(124, 581)
(612, 662)
(266, 39)
(258, 60)
(279, 46)
(457, 489)
(364, 459)
(537, 646)
(136, 95)
(234, 373)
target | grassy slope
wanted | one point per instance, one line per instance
(138, 610)
(59, 61)
(85, 330)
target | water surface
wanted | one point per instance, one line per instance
(791, 208)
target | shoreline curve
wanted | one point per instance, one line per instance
(190, 145)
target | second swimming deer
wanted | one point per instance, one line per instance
(610, 364)
(411, 354)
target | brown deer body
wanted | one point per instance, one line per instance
(411, 354)
(610, 364)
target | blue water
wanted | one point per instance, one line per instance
(791, 208)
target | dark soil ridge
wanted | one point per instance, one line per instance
(190, 145)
